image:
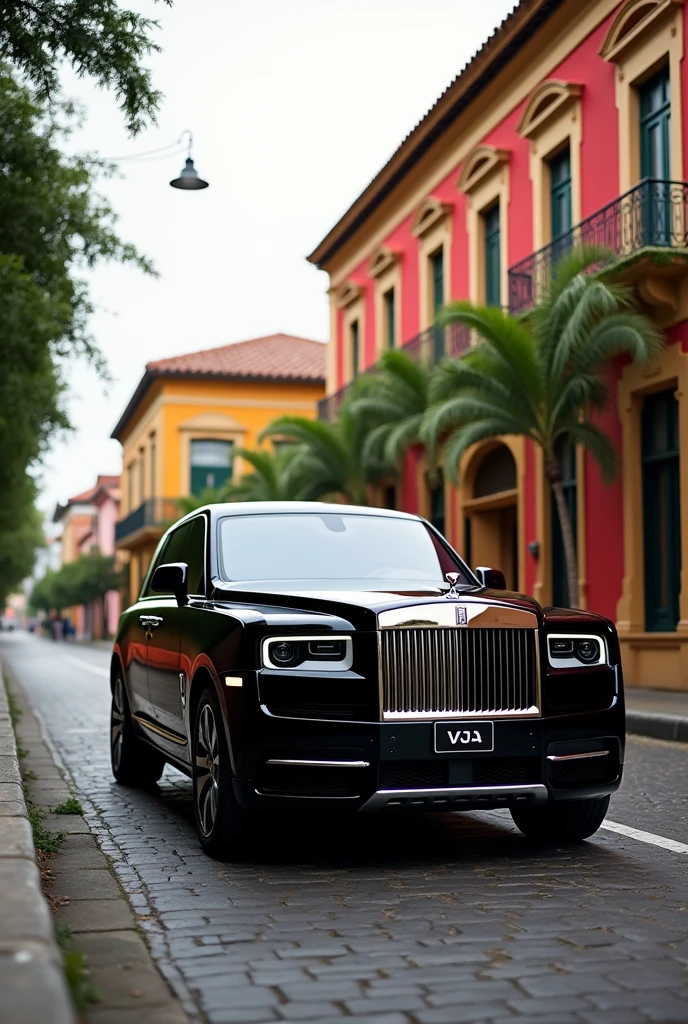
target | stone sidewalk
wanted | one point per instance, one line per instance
(32, 981)
(102, 923)
(661, 714)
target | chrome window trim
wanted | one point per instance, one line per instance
(316, 666)
(574, 662)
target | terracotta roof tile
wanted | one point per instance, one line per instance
(277, 356)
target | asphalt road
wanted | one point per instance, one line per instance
(439, 920)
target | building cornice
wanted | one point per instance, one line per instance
(504, 43)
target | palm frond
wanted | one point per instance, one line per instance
(463, 439)
(598, 444)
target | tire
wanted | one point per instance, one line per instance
(134, 762)
(567, 821)
(224, 828)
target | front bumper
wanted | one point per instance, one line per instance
(350, 766)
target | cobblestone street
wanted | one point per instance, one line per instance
(435, 920)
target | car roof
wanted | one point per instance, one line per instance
(243, 508)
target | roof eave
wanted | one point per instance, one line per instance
(523, 21)
(152, 375)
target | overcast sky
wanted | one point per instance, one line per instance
(294, 106)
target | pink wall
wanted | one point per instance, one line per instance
(108, 511)
(599, 186)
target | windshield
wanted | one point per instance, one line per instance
(332, 547)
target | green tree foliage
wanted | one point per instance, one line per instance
(82, 582)
(391, 403)
(330, 461)
(540, 376)
(272, 477)
(53, 225)
(97, 38)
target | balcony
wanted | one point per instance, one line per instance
(427, 347)
(653, 215)
(147, 522)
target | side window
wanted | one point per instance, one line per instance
(173, 551)
(194, 555)
(158, 559)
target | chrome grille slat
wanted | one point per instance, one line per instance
(430, 672)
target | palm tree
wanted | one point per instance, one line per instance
(540, 376)
(270, 480)
(392, 403)
(330, 459)
(190, 502)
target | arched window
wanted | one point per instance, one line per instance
(497, 472)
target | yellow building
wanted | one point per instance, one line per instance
(189, 414)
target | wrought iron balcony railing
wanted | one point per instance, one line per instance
(428, 347)
(152, 512)
(653, 214)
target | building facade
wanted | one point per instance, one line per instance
(88, 524)
(566, 127)
(188, 416)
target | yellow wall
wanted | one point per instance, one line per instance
(176, 411)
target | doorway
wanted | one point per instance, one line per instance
(490, 507)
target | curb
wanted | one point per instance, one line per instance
(658, 727)
(31, 973)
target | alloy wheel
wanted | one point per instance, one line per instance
(117, 722)
(207, 770)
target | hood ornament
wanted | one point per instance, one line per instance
(452, 579)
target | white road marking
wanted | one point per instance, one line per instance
(645, 837)
(96, 669)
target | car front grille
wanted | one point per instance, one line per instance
(430, 673)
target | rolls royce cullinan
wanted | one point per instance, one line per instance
(340, 659)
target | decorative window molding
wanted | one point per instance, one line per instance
(385, 268)
(208, 426)
(669, 369)
(485, 179)
(347, 294)
(644, 36)
(480, 164)
(382, 261)
(434, 238)
(550, 100)
(632, 25)
(551, 120)
(429, 215)
(354, 313)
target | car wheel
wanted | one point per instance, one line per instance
(568, 821)
(223, 826)
(134, 762)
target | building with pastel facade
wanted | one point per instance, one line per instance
(186, 419)
(566, 127)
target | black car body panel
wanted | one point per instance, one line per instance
(324, 738)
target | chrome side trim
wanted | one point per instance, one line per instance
(481, 614)
(457, 795)
(160, 731)
(302, 796)
(576, 757)
(319, 764)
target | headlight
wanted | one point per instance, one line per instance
(570, 651)
(308, 653)
(285, 654)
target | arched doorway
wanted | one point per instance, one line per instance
(490, 505)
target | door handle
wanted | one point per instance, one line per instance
(150, 621)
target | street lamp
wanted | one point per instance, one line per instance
(189, 178)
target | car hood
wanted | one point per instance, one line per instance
(366, 608)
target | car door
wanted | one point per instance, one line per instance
(134, 642)
(164, 643)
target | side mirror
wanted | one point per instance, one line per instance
(492, 578)
(172, 579)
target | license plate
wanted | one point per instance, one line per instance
(462, 737)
